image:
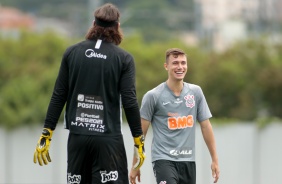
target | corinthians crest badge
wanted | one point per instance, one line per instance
(190, 101)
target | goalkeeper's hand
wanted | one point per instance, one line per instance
(139, 151)
(42, 147)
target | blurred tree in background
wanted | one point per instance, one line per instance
(242, 83)
(28, 69)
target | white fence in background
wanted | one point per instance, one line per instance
(247, 155)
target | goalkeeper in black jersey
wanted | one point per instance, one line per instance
(95, 80)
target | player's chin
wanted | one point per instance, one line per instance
(179, 77)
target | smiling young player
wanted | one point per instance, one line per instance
(173, 108)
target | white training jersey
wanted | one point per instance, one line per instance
(173, 120)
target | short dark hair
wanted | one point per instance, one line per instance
(107, 13)
(173, 51)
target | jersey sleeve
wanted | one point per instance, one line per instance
(129, 97)
(59, 95)
(147, 106)
(203, 111)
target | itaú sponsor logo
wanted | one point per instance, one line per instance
(180, 152)
(91, 53)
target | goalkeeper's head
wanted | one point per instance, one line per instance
(106, 25)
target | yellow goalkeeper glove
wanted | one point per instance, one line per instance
(139, 151)
(42, 147)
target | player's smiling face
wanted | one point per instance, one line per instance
(176, 66)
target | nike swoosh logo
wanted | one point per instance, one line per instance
(165, 103)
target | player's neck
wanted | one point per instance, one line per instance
(175, 86)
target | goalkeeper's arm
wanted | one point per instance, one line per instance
(136, 161)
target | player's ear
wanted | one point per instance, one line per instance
(165, 66)
(118, 25)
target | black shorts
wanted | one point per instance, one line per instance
(96, 159)
(171, 172)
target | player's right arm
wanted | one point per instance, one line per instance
(145, 126)
(56, 105)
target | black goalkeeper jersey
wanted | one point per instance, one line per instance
(96, 79)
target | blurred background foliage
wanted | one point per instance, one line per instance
(28, 69)
(242, 83)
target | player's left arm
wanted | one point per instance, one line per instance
(208, 136)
